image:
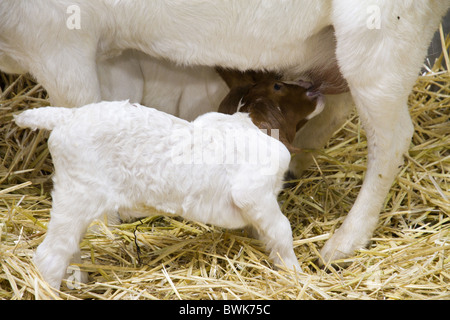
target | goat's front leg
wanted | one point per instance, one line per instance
(389, 134)
(381, 71)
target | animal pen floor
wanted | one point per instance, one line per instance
(168, 258)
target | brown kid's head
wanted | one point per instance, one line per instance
(271, 103)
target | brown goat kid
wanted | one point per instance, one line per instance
(270, 102)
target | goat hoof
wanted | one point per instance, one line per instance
(289, 182)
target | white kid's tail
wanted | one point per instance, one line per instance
(43, 118)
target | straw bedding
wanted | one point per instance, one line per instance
(168, 258)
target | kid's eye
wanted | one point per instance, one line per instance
(277, 86)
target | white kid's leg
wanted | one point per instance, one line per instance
(60, 246)
(69, 218)
(274, 230)
(381, 69)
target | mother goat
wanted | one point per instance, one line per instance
(375, 48)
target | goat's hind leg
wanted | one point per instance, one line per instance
(69, 219)
(274, 230)
(71, 80)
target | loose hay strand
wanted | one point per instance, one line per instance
(408, 257)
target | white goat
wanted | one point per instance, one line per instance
(219, 169)
(376, 47)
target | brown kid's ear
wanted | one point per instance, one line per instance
(230, 103)
(235, 78)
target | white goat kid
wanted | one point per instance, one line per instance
(317, 39)
(114, 157)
